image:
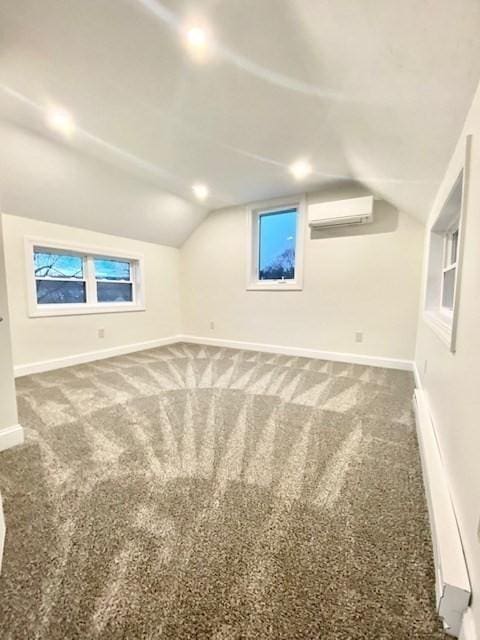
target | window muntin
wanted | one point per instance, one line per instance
(277, 234)
(64, 280)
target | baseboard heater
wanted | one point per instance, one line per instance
(2, 532)
(452, 585)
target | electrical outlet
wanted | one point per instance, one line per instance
(101, 333)
(358, 336)
(212, 325)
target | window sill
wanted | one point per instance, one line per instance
(439, 325)
(274, 286)
(80, 310)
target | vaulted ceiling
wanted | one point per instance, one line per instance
(371, 91)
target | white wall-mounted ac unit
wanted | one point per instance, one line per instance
(341, 212)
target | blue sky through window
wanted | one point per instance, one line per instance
(112, 269)
(60, 278)
(277, 239)
(53, 265)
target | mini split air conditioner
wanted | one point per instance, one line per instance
(341, 212)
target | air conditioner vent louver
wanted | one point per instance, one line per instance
(353, 211)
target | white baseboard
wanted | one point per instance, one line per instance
(452, 584)
(373, 361)
(90, 356)
(11, 436)
(416, 373)
(468, 631)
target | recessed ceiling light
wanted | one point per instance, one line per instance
(197, 38)
(301, 169)
(200, 191)
(61, 121)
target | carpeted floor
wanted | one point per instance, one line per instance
(198, 492)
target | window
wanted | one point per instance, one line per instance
(114, 280)
(276, 247)
(444, 261)
(68, 279)
(59, 278)
(450, 253)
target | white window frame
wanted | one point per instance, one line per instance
(88, 253)
(449, 265)
(253, 221)
(449, 220)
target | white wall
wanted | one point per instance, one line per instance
(8, 403)
(452, 382)
(47, 338)
(356, 279)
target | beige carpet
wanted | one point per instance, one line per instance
(197, 492)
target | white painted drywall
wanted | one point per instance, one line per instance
(356, 279)
(39, 339)
(8, 403)
(452, 381)
(47, 180)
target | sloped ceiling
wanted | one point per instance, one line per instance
(370, 91)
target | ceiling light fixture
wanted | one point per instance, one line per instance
(196, 38)
(60, 120)
(301, 169)
(200, 191)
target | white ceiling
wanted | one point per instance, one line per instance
(373, 91)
